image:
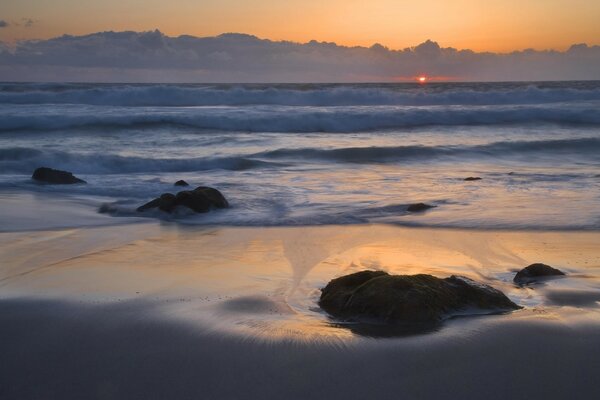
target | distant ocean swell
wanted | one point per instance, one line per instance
(294, 95)
(293, 119)
(24, 160)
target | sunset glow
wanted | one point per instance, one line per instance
(266, 199)
(481, 26)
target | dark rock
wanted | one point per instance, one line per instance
(417, 207)
(149, 205)
(199, 200)
(167, 202)
(375, 296)
(55, 176)
(215, 197)
(535, 271)
(181, 183)
(193, 200)
(472, 178)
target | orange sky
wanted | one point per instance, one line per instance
(479, 25)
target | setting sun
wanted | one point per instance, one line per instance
(294, 199)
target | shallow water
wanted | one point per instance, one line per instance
(315, 154)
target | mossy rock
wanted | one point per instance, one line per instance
(375, 296)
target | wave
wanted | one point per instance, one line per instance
(24, 160)
(292, 119)
(298, 95)
(549, 148)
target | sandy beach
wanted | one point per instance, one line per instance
(175, 241)
(158, 309)
(298, 200)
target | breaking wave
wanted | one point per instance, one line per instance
(25, 160)
(297, 95)
(292, 119)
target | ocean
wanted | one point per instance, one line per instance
(317, 154)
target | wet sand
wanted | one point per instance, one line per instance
(160, 310)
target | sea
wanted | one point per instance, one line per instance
(306, 154)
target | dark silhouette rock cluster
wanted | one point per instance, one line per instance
(377, 297)
(418, 207)
(472, 178)
(200, 200)
(55, 176)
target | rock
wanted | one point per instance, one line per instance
(149, 205)
(472, 178)
(535, 271)
(167, 202)
(193, 200)
(55, 176)
(199, 200)
(417, 207)
(215, 197)
(181, 183)
(375, 296)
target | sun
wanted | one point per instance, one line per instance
(422, 79)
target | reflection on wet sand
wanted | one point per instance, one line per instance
(264, 282)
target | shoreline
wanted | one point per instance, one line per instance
(271, 276)
(167, 310)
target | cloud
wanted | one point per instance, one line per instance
(233, 57)
(3, 23)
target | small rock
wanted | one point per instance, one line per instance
(472, 178)
(375, 296)
(417, 207)
(55, 176)
(535, 271)
(181, 183)
(199, 200)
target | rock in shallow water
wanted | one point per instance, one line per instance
(418, 207)
(472, 178)
(375, 296)
(181, 183)
(199, 200)
(535, 271)
(55, 176)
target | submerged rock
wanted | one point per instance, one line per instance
(417, 207)
(534, 271)
(181, 183)
(375, 296)
(199, 200)
(472, 178)
(55, 176)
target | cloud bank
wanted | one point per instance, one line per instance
(155, 57)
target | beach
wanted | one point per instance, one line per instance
(149, 310)
(100, 298)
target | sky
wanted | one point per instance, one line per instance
(298, 41)
(492, 25)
